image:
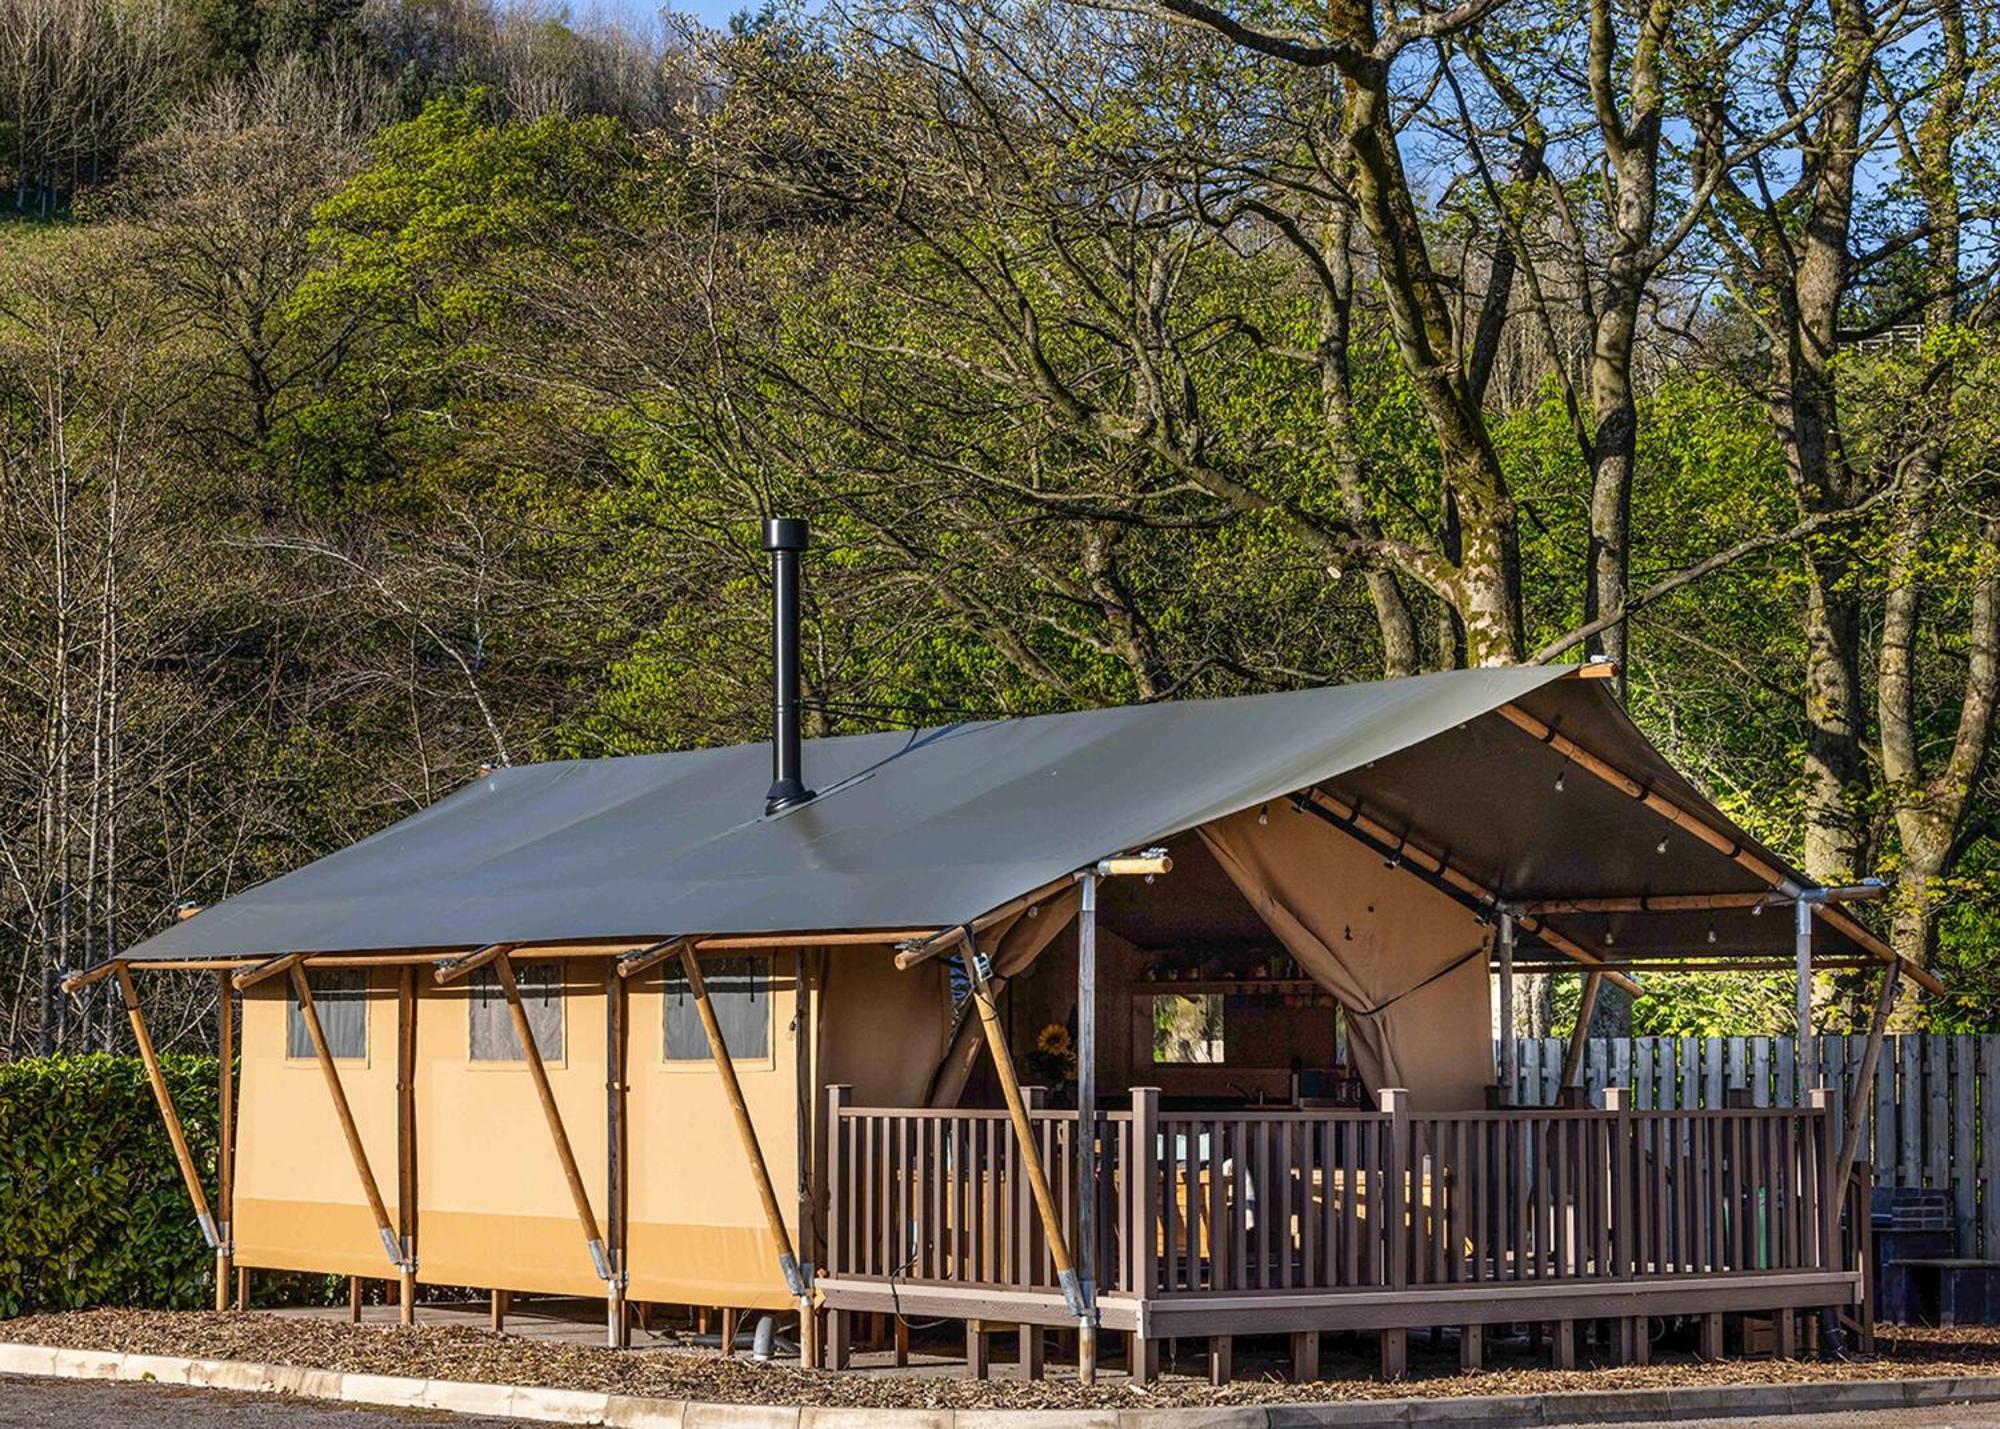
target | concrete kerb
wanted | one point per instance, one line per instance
(624, 1411)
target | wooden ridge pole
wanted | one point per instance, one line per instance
(309, 1013)
(503, 968)
(1691, 823)
(753, 1151)
(1024, 1132)
(165, 1099)
(225, 1138)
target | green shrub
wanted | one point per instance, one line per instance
(92, 1209)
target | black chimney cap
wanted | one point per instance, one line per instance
(784, 533)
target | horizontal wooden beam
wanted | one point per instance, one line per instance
(1724, 844)
(269, 968)
(1147, 864)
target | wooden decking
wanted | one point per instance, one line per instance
(1299, 1221)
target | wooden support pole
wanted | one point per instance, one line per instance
(753, 1152)
(165, 1100)
(225, 1137)
(644, 959)
(1471, 1348)
(978, 1350)
(531, 1054)
(1395, 1354)
(353, 1299)
(616, 1006)
(1086, 1127)
(243, 1287)
(1034, 1342)
(1221, 1359)
(406, 1142)
(78, 981)
(1861, 1099)
(1024, 1132)
(496, 1311)
(309, 1014)
(1579, 1036)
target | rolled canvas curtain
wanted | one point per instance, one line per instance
(1393, 951)
(1012, 947)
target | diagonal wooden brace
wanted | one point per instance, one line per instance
(164, 1098)
(309, 1013)
(503, 967)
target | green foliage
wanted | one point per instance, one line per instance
(92, 1209)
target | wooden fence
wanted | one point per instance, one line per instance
(1936, 1101)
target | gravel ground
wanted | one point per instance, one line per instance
(459, 1353)
(92, 1404)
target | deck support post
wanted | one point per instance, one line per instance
(1034, 1341)
(353, 1299)
(309, 1014)
(978, 1350)
(1471, 1348)
(753, 1152)
(1395, 1354)
(165, 1100)
(1579, 1037)
(839, 1339)
(1635, 1340)
(1562, 1343)
(1785, 1334)
(1510, 1049)
(1710, 1347)
(496, 1311)
(225, 1137)
(1221, 1359)
(243, 1287)
(1305, 1356)
(1142, 1357)
(899, 1340)
(531, 1054)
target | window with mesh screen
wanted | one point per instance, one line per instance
(740, 991)
(340, 997)
(493, 1038)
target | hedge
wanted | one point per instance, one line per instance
(92, 1209)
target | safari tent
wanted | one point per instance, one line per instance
(1170, 1020)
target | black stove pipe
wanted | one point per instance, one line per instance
(785, 539)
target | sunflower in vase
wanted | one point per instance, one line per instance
(1053, 1062)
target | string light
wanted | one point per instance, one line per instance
(1264, 815)
(1711, 930)
(1562, 774)
(1661, 846)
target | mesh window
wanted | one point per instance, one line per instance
(740, 989)
(493, 1038)
(340, 996)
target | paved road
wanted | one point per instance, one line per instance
(101, 1404)
(97, 1404)
(1978, 1416)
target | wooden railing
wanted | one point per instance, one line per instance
(1289, 1200)
(942, 1196)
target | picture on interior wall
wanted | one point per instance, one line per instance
(1187, 1028)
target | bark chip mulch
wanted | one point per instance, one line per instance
(460, 1353)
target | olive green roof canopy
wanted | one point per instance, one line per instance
(926, 828)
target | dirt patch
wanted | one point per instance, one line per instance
(453, 1352)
